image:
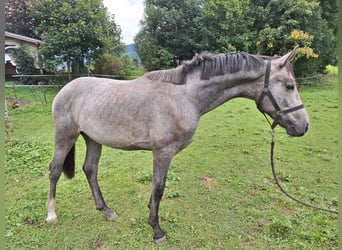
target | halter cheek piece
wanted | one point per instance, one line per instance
(267, 92)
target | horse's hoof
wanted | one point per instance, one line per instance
(52, 220)
(111, 216)
(160, 241)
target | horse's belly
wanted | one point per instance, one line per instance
(130, 146)
(124, 143)
(122, 137)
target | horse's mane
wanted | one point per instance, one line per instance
(210, 65)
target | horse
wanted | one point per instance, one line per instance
(159, 112)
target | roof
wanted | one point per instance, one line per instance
(22, 38)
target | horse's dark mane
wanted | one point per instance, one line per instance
(210, 65)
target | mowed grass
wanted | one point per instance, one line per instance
(220, 192)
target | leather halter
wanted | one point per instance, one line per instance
(267, 92)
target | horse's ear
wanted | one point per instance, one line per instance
(288, 57)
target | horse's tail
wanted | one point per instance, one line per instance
(69, 164)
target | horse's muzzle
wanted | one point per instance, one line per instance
(295, 131)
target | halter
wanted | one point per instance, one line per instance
(267, 92)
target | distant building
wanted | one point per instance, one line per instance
(13, 41)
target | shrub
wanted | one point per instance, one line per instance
(108, 64)
(25, 64)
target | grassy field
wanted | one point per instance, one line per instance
(220, 192)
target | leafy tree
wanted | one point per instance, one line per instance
(153, 56)
(146, 46)
(170, 29)
(74, 30)
(296, 22)
(228, 25)
(18, 19)
(25, 63)
(329, 13)
(256, 26)
(326, 34)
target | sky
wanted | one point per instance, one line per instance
(128, 14)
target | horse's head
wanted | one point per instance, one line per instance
(280, 98)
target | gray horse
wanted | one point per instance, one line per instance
(160, 112)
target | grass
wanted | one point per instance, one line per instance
(220, 193)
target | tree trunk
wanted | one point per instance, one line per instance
(69, 70)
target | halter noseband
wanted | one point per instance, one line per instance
(267, 92)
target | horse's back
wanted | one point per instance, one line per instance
(85, 91)
(99, 93)
(83, 85)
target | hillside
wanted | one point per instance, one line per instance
(131, 50)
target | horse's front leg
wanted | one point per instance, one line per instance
(161, 163)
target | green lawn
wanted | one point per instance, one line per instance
(220, 192)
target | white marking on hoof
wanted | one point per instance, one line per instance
(160, 241)
(52, 218)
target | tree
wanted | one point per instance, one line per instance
(25, 63)
(329, 13)
(257, 26)
(229, 25)
(295, 22)
(74, 31)
(153, 56)
(18, 19)
(171, 29)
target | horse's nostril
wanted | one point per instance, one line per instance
(307, 128)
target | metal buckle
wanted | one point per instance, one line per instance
(280, 112)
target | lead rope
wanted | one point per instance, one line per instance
(277, 182)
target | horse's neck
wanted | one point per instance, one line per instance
(213, 93)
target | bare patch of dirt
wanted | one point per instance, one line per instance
(209, 181)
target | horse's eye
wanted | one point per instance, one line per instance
(290, 87)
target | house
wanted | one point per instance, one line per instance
(13, 41)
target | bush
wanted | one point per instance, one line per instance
(108, 64)
(25, 64)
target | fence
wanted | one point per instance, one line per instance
(37, 85)
(17, 95)
(60, 79)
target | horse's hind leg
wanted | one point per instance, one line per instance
(90, 168)
(63, 150)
